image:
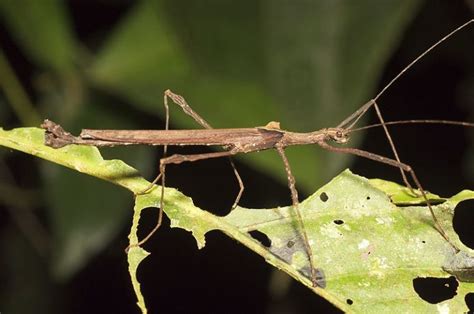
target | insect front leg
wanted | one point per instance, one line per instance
(180, 101)
(349, 122)
(392, 146)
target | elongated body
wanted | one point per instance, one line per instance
(245, 140)
(242, 139)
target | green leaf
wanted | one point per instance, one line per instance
(366, 249)
(43, 29)
(80, 231)
(101, 215)
(84, 227)
(401, 195)
(349, 229)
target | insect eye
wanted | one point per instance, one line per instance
(339, 134)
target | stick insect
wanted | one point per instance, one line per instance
(247, 140)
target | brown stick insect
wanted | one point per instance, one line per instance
(247, 140)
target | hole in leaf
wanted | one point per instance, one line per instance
(349, 301)
(338, 222)
(148, 220)
(435, 290)
(261, 237)
(470, 302)
(290, 244)
(462, 222)
(323, 197)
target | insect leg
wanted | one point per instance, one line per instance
(398, 164)
(180, 101)
(295, 201)
(177, 159)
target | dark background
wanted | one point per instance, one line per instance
(224, 276)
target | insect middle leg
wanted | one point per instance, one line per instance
(177, 159)
(295, 201)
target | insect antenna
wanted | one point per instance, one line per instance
(426, 121)
(351, 121)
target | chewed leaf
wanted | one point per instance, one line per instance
(364, 245)
(367, 251)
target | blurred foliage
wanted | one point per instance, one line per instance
(307, 64)
(299, 69)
